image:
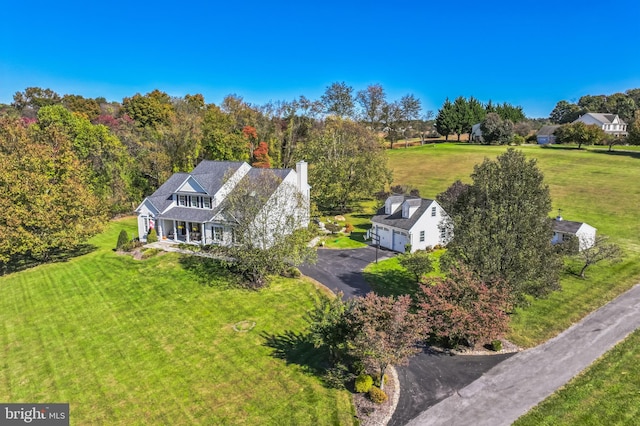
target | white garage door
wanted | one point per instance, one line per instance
(399, 241)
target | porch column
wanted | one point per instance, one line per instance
(175, 233)
(159, 226)
(202, 239)
(188, 225)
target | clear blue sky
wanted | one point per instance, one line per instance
(527, 53)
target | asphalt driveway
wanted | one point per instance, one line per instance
(430, 377)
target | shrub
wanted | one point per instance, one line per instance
(147, 253)
(123, 239)
(517, 140)
(152, 237)
(348, 228)
(332, 227)
(377, 395)
(291, 272)
(364, 382)
(496, 345)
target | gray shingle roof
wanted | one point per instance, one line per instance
(211, 174)
(162, 197)
(604, 118)
(189, 214)
(547, 130)
(566, 226)
(395, 219)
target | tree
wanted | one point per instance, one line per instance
(506, 111)
(590, 103)
(385, 331)
(89, 108)
(417, 263)
(150, 110)
(338, 100)
(347, 162)
(266, 243)
(502, 228)
(371, 101)
(565, 112)
(495, 129)
(580, 133)
(47, 203)
(445, 120)
(222, 137)
(261, 156)
(462, 116)
(600, 249)
(634, 130)
(392, 120)
(328, 324)
(621, 104)
(461, 308)
(449, 198)
(34, 98)
(410, 107)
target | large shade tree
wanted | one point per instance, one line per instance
(47, 203)
(347, 162)
(502, 226)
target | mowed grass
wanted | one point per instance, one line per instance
(360, 218)
(607, 393)
(596, 187)
(152, 342)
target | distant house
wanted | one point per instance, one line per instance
(563, 230)
(610, 123)
(476, 133)
(546, 135)
(191, 208)
(408, 220)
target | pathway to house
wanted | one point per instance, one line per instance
(516, 385)
(430, 377)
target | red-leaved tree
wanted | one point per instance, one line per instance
(462, 309)
(385, 331)
(261, 155)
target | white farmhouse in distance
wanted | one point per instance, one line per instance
(610, 123)
(406, 219)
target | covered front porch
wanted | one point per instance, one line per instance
(180, 231)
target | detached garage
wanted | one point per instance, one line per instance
(408, 220)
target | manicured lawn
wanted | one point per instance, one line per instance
(152, 342)
(607, 393)
(596, 187)
(389, 278)
(361, 221)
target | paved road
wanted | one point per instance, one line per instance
(515, 386)
(429, 377)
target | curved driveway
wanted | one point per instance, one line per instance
(429, 377)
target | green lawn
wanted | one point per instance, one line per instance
(361, 221)
(152, 342)
(607, 393)
(600, 188)
(389, 278)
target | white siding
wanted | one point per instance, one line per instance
(430, 225)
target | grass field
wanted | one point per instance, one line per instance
(153, 342)
(600, 188)
(607, 393)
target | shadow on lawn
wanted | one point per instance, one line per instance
(297, 348)
(209, 272)
(19, 263)
(392, 282)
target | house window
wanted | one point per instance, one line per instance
(422, 236)
(217, 233)
(195, 201)
(207, 202)
(433, 211)
(443, 234)
(566, 237)
(182, 200)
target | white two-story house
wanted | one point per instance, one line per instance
(191, 208)
(610, 123)
(408, 220)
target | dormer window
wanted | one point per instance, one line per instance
(182, 200)
(207, 202)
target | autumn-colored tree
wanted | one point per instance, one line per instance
(261, 156)
(462, 309)
(47, 203)
(384, 331)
